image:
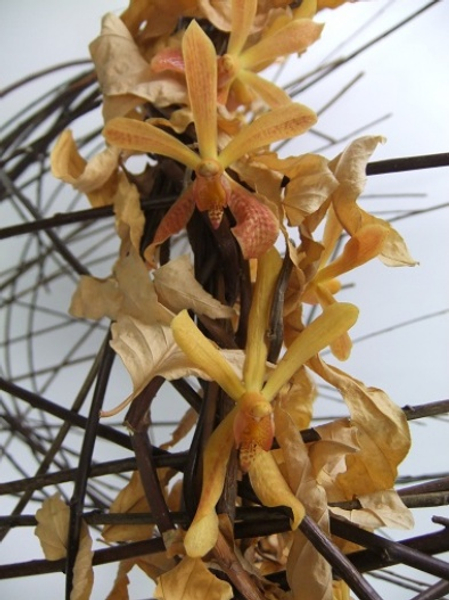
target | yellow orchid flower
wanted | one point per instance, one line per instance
(239, 66)
(249, 425)
(213, 189)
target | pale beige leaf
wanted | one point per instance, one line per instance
(53, 533)
(177, 289)
(122, 71)
(53, 527)
(131, 499)
(382, 429)
(191, 580)
(379, 509)
(185, 425)
(148, 351)
(308, 573)
(129, 292)
(129, 217)
(119, 590)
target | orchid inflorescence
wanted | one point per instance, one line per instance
(183, 80)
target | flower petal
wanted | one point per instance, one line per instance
(271, 488)
(205, 355)
(331, 324)
(202, 534)
(130, 134)
(271, 94)
(294, 37)
(243, 14)
(282, 123)
(201, 74)
(268, 269)
(257, 227)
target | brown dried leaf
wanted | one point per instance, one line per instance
(309, 575)
(124, 74)
(382, 431)
(97, 178)
(53, 532)
(379, 509)
(177, 289)
(131, 499)
(191, 580)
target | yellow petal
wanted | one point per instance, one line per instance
(281, 123)
(331, 324)
(270, 93)
(256, 348)
(294, 37)
(363, 246)
(243, 14)
(271, 488)
(205, 355)
(130, 134)
(201, 75)
(202, 534)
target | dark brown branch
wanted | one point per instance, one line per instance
(408, 163)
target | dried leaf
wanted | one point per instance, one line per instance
(382, 430)
(53, 533)
(308, 573)
(379, 509)
(191, 580)
(97, 178)
(177, 289)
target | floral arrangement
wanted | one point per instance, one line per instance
(184, 91)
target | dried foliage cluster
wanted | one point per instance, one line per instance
(248, 513)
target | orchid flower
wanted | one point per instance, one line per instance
(238, 67)
(249, 425)
(213, 189)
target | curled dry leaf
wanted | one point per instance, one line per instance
(379, 509)
(125, 76)
(53, 533)
(382, 431)
(191, 580)
(309, 574)
(177, 289)
(97, 178)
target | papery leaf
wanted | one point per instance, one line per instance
(311, 184)
(177, 289)
(383, 434)
(53, 533)
(126, 78)
(333, 322)
(97, 178)
(129, 217)
(139, 136)
(308, 573)
(53, 527)
(201, 74)
(281, 123)
(131, 499)
(296, 36)
(148, 351)
(379, 509)
(297, 399)
(202, 534)
(191, 580)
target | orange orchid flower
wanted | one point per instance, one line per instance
(249, 425)
(213, 189)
